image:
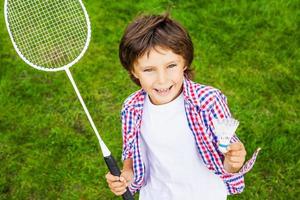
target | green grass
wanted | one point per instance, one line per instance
(248, 49)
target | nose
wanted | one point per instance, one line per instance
(162, 77)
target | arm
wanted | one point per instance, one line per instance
(127, 171)
(233, 161)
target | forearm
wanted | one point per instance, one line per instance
(127, 171)
(127, 165)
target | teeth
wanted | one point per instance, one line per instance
(163, 90)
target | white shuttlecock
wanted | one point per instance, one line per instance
(225, 129)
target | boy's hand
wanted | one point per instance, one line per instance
(235, 157)
(117, 184)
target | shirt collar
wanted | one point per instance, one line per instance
(189, 91)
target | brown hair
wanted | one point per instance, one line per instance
(150, 31)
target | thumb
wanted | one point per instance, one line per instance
(227, 154)
(125, 174)
(228, 148)
(122, 179)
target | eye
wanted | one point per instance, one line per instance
(148, 70)
(172, 66)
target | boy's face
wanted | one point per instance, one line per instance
(161, 74)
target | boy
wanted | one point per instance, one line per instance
(170, 150)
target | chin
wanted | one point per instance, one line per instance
(165, 100)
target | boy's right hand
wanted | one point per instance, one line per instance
(118, 185)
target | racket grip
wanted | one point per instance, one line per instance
(114, 170)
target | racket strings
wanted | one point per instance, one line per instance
(48, 33)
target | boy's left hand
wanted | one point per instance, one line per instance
(235, 157)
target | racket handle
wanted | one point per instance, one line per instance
(114, 170)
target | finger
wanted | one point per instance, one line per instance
(125, 179)
(236, 159)
(241, 153)
(120, 193)
(122, 179)
(236, 165)
(119, 189)
(117, 184)
(235, 146)
(111, 178)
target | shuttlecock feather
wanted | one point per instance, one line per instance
(225, 129)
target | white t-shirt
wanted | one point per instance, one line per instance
(174, 169)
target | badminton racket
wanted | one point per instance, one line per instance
(52, 35)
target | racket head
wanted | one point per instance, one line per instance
(48, 35)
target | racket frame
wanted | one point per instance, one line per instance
(88, 39)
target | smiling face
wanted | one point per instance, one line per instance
(161, 74)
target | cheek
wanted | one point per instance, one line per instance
(146, 81)
(177, 75)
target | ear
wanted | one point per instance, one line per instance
(185, 67)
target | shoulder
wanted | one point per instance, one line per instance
(134, 101)
(205, 96)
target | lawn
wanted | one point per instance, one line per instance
(248, 49)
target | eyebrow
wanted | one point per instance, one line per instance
(167, 63)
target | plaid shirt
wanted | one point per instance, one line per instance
(202, 103)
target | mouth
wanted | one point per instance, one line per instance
(163, 91)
